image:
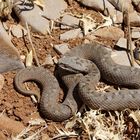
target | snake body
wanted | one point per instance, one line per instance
(78, 60)
(110, 71)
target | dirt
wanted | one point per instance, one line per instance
(19, 109)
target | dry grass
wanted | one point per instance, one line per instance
(95, 124)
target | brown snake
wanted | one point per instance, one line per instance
(78, 60)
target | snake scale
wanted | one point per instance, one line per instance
(85, 63)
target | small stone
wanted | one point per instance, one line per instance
(33, 17)
(23, 57)
(61, 48)
(70, 21)
(99, 5)
(49, 60)
(54, 8)
(135, 34)
(134, 19)
(112, 33)
(18, 31)
(71, 34)
(122, 43)
(116, 55)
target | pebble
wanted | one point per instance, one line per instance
(75, 33)
(48, 60)
(135, 34)
(70, 21)
(18, 31)
(61, 48)
(54, 8)
(135, 19)
(99, 5)
(112, 33)
(122, 43)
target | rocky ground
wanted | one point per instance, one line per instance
(64, 26)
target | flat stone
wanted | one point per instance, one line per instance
(135, 19)
(135, 34)
(33, 17)
(37, 18)
(48, 60)
(70, 21)
(122, 43)
(54, 8)
(112, 33)
(122, 5)
(61, 48)
(18, 31)
(99, 5)
(116, 55)
(118, 17)
(9, 55)
(75, 33)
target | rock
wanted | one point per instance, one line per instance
(18, 31)
(61, 48)
(9, 55)
(70, 21)
(116, 55)
(122, 5)
(75, 33)
(118, 17)
(122, 43)
(135, 34)
(134, 19)
(99, 5)
(54, 8)
(33, 16)
(48, 60)
(111, 32)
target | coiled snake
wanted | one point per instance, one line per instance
(80, 60)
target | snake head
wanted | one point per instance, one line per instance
(74, 64)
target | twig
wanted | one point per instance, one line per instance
(33, 49)
(129, 40)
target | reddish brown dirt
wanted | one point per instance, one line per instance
(20, 108)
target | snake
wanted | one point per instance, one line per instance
(82, 67)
